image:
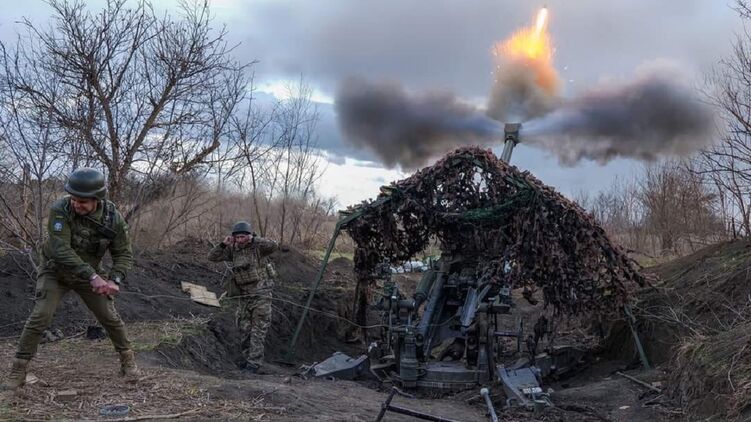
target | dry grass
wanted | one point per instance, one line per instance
(318, 254)
(714, 372)
(701, 309)
(90, 368)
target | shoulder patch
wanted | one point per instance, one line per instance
(57, 225)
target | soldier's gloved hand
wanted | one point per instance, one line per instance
(98, 284)
(228, 240)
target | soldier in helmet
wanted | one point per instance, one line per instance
(81, 228)
(251, 284)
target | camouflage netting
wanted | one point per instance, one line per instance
(479, 206)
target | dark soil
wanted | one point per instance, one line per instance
(708, 287)
(706, 290)
(695, 322)
(152, 292)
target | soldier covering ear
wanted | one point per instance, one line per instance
(250, 284)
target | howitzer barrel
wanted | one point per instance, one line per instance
(511, 138)
(423, 288)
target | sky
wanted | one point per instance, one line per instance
(442, 44)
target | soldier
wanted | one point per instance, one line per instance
(81, 228)
(251, 284)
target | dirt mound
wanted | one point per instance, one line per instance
(17, 294)
(713, 373)
(710, 286)
(697, 321)
(214, 350)
(706, 292)
(152, 292)
(295, 267)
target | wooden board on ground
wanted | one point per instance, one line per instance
(199, 294)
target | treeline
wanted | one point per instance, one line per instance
(674, 207)
(163, 108)
(665, 209)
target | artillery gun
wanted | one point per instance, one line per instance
(452, 332)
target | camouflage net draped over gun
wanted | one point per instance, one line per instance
(521, 232)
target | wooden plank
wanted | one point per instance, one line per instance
(199, 294)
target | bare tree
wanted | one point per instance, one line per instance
(256, 145)
(280, 162)
(301, 165)
(30, 166)
(137, 89)
(666, 209)
(727, 165)
(159, 104)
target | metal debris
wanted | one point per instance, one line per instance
(388, 407)
(340, 366)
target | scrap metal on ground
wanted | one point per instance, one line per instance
(388, 407)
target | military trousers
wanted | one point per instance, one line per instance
(253, 318)
(50, 290)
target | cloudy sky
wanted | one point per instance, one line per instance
(441, 44)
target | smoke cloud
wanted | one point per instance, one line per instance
(523, 89)
(405, 129)
(652, 116)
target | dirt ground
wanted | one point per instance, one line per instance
(218, 391)
(152, 292)
(695, 320)
(275, 395)
(188, 353)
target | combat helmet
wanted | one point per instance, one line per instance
(241, 227)
(86, 182)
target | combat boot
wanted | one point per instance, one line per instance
(128, 367)
(17, 377)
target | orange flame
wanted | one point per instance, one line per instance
(529, 50)
(532, 42)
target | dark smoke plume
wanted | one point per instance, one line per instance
(648, 118)
(409, 130)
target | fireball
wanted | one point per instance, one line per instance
(526, 82)
(532, 42)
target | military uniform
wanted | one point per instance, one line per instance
(71, 255)
(251, 284)
(70, 259)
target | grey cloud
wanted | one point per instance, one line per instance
(428, 45)
(407, 129)
(651, 116)
(446, 45)
(329, 138)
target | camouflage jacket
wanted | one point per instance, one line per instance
(76, 244)
(250, 269)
